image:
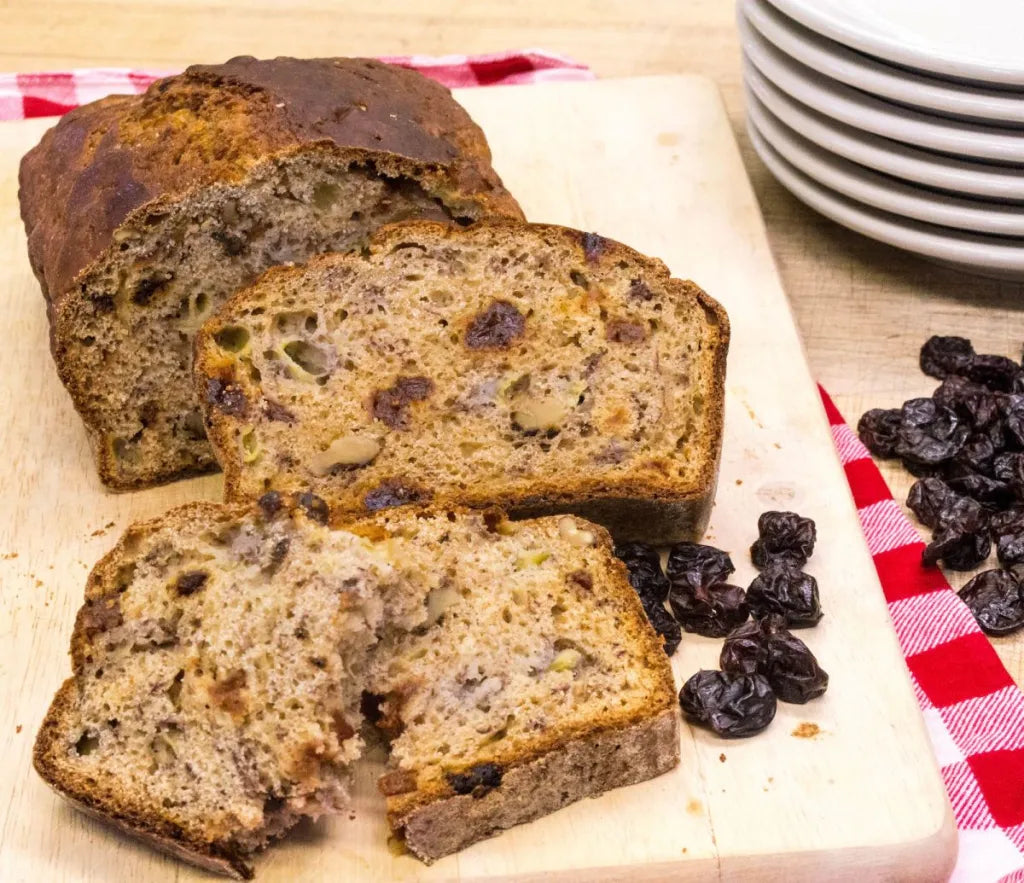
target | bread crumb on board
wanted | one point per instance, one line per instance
(806, 730)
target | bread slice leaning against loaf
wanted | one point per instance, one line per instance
(225, 653)
(527, 366)
(143, 212)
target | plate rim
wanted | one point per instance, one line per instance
(912, 163)
(813, 16)
(879, 190)
(835, 60)
(859, 110)
(969, 249)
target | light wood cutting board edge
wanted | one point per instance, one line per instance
(547, 197)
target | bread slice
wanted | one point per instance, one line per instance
(527, 366)
(535, 681)
(224, 653)
(144, 212)
(214, 701)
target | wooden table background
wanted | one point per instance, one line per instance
(863, 308)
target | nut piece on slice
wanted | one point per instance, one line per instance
(348, 450)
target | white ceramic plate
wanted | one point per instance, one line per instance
(976, 40)
(836, 61)
(988, 255)
(861, 111)
(932, 169)
(882, 191)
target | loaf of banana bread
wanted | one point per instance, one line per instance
(527, 366)
(224, 654)
(144, 212)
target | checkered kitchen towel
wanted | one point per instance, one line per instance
(974, 712)
(972, 708)
(49, 94)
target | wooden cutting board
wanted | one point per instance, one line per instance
(845, 787)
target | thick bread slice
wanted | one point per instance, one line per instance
(527, 366)
(144, 212)
(212, 704)
(510, 662)
(536, 681)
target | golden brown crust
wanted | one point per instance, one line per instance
(102, 801)
(110, 159)
(119, 165)
(584, 767)
(635, 507)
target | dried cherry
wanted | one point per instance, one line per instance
(929, 434)
(878, 429)
(646, 577)
(712, 611)
(696, 565)
(957, 548)
(783, 535)
(733, 705)
(994, 597)
(745, 649)
(638, 551)
(942, 356)
(663, 623)
(783, 588)
(997, 373)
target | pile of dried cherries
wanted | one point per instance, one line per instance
(965, 444)
(761, 661)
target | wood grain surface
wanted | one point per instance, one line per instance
(839, 789)
(863, 308)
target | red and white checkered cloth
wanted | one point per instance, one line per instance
(49, 94)
(973, 710)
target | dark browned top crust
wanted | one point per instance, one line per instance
(108, 159)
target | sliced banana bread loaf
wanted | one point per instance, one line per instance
(223, 655)
(144, 212)
(524, 365)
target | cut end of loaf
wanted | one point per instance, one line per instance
(125, 347)
(527, 366)
(143, 212)
(224, 653)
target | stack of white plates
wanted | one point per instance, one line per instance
(901, 119)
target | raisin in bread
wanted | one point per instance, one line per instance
(528, 366)
(144, 212)
(223, 655)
